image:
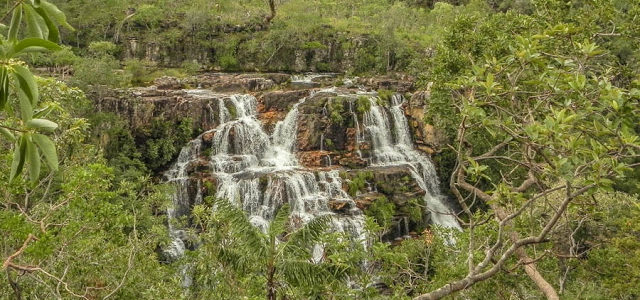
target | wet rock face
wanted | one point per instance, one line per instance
(329, 134)
(428, 138)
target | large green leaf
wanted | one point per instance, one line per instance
(27, 83)
(48, 149)
(16, 19)
(18, 158)
(42, 124)
(54, 32)
(33, 157)
(34, 23)
(37, 43)
(54, 13)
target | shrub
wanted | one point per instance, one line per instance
(382, 210)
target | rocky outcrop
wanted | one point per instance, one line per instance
(274, 105)
(330, 133)
(428, 138)
(404, 84)
(140, 106)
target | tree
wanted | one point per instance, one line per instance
(547, 117)
(281, 258)
(81, 232)
(22, 123)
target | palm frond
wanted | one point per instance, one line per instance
(279, 223)
(302, 273)
(240, 227)
(310, 233)
(236, 258)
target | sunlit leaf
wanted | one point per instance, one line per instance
(27, 83)
(41, 124)
(16, 19)
(33, 157)
(38, 43)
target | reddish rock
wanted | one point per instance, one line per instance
(338, 205)
(280, 100)
(313, 159)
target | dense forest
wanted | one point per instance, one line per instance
(320, 149)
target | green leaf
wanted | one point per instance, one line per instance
(4, 87)
(18, 158)
(54, 33)
(26, 110)
(37, 43)
(42, 124)
(35, 24)
(16, 19)
(33, 157)
(36, 3)
(27, 83)
(43, 112)
(48, 149)
(7, 134)
(56, 14)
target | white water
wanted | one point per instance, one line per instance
(260, 172)
(393, 147)
(178, 176)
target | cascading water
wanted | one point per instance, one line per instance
(260, 172)
(178, 176)
(395, 147)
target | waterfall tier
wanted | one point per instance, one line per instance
(260, 164)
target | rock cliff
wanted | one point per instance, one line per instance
(330, 133)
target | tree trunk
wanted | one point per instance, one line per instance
(271, 287)
(272, 9)
(529, 267)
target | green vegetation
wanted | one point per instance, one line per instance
(336, 109)
(363, 105)
(85, 212)
(275, 263)
(539, 102)
(385, 95)
(359, 182)
(382, 211)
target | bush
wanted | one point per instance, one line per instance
(102, 49)
(191, 67)
(228, 63)
(358, 183)
(139, 71)
(382, 210)
(98, 71)
(363, 105)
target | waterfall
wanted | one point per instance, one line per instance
(178, 176)
(395, 147)
(260, 172)
(357, 127)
